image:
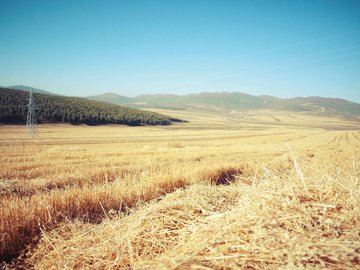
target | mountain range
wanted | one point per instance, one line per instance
(227, 102)
(235, 101)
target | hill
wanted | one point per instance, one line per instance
(229, 101)
(111, 98)
(28, 88)
(210, 101)
(60, 109)
(315, 105)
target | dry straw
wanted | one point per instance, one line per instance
(297, 212)
(277, 223)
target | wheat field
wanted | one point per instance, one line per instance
(248, 191)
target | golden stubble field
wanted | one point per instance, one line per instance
(230, 191)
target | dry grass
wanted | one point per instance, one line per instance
(76, 188)
(277, 221)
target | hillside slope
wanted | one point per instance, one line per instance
(28, 88)
(59, 109)
(316, 105)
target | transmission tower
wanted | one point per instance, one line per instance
(31, 126)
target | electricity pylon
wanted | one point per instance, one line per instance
(31, 126)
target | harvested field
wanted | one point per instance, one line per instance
(221, 195)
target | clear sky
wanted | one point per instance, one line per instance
(282, 48)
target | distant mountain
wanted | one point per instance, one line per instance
(111, 98)
(28, 88)
(315, 105)
(210, 101)
(328, 106)
(223, 100)
(230, 101)
(61, 109)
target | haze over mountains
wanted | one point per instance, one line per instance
(229, 101)
(235, 101)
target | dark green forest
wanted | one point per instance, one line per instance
(60, 109)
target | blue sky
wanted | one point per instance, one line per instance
(280, 48)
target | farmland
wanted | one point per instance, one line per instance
(253, 190)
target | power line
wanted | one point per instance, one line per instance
(31, 123)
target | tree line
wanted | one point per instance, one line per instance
(73, 110)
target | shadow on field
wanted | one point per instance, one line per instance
(227, 175)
